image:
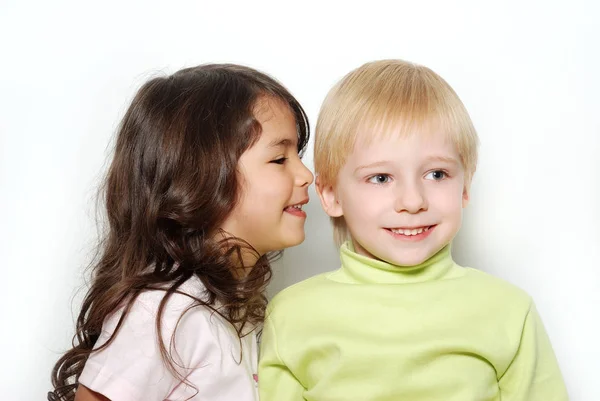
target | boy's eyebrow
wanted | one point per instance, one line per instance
(444, 159)
(371, 165)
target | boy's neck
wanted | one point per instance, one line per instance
(359, 268)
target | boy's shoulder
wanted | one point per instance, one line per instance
(487, 287)
(473, 286)
(302, 294)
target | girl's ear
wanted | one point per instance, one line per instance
(329, 199)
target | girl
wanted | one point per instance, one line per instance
(206, 182)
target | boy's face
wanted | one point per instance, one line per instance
(401, 198)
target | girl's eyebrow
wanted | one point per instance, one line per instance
(282, 142)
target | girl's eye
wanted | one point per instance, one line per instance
(380, 179)
(436, 175)
(281, 160)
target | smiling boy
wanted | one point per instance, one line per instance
(395, 154)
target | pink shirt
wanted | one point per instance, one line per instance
(206, 350)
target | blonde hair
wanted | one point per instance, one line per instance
(384, 96)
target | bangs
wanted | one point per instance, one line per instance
(402, 117)
(390, 99)
(300, 117)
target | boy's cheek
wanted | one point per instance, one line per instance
(363, 208)
(369, 198)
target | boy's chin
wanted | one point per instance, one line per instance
(405, 260)
(402, 257)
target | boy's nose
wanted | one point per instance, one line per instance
(411, 199)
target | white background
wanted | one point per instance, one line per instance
(527, 72)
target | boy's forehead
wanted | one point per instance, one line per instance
(369, 137)
(417, 147)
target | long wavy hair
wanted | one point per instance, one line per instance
(172, 182)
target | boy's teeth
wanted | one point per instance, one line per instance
(409, 232)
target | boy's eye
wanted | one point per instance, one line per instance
(380, 179)
(281, 160)
(436, 175)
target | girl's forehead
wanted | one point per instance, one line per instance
(267, 107)
(278, 126)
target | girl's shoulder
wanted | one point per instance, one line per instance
(186, 295)
(193, 335)
(181, 314)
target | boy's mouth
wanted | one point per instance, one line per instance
(411, 231)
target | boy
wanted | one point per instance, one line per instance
(395, 153)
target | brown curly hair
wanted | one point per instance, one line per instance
(172, 182)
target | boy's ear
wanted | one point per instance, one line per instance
(466, 195)
(328, 198)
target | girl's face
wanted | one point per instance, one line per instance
(274, 184)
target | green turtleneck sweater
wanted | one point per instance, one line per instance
(375, 331)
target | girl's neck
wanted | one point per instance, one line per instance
(249, 259)
(243, 257)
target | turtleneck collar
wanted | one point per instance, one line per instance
(359, 269)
